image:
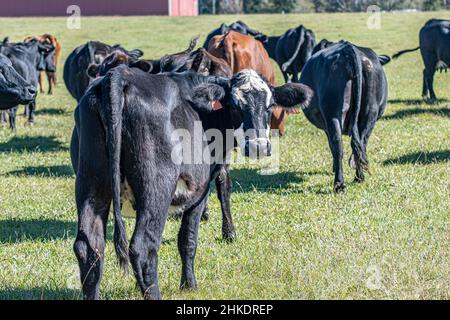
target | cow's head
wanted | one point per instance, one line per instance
(115, 59)
(252, 99)
(14, 89)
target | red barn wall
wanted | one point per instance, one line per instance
(183, 7)
(18, 8)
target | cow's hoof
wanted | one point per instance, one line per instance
(359, 179)
(229, 236)
(205, 215)
(188, 285)
(29, 124)
(339, 187)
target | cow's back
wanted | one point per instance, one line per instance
(242, 52)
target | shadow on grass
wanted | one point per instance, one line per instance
(15, 230)
(420, 158)
(246, 180)
(32, 144)
(50, 111)
(442, 112)
(44, 171)
(40, 294)
(412, 102)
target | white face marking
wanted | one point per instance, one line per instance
(249, 81)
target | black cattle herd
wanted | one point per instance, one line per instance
(122, 149)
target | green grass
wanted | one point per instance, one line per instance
(386, 238)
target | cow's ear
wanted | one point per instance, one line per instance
(207, 97)
(144, 65)
(92, 70)
(292, 95)
(136, 53)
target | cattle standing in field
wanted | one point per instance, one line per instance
(237, 26)
(434, 46)
(78, 61)
(290, 50)
(243, 52)
(14, 89)
(124, 148)
(28, 59)
(350, 95)
(51, 73)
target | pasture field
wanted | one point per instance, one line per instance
(385, 239)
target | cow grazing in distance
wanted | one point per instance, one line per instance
(238, 26)
(434, 39)
(244, 52)
(51, 74)
(126, 150)
(75, 67)
(290, 50)
(14, 89)
(350, 95)
(28, 59)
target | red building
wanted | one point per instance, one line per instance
(51, 8)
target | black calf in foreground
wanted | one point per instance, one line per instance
(434, 38)
(125, 149)
(14, 89)
(290, 50)
(350, 95)
(75, 67)
(28, 59)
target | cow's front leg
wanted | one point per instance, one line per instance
(89, 246)
(187, 244)
(335, 141)
(223, 186)
(51, 81)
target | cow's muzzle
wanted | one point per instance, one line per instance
(258, 148)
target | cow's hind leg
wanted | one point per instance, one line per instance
(425, 85)
(146, 242)
(334, 133)
(89, 245)
(187, 244)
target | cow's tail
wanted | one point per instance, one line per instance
(398, 54)
(301, 39)
(359, 152)
(111, 113)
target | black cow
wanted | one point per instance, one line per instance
(28, 59)
(324, 43)
(290, 50)
(351, 92)
(434, 46)
(75, 67)
(124, 148)
(14, 89)
(238, 26)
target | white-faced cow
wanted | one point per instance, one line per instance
(434, 46)
(125, 149)
(350, 95)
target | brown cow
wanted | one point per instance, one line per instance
(51, 76)
(244, 52)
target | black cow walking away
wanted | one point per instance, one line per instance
(125, 149)
(28, 59)
(351, 94)
(238, 26)
(434, 39)
(78, 61)
(14, 89)
(290, 50)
